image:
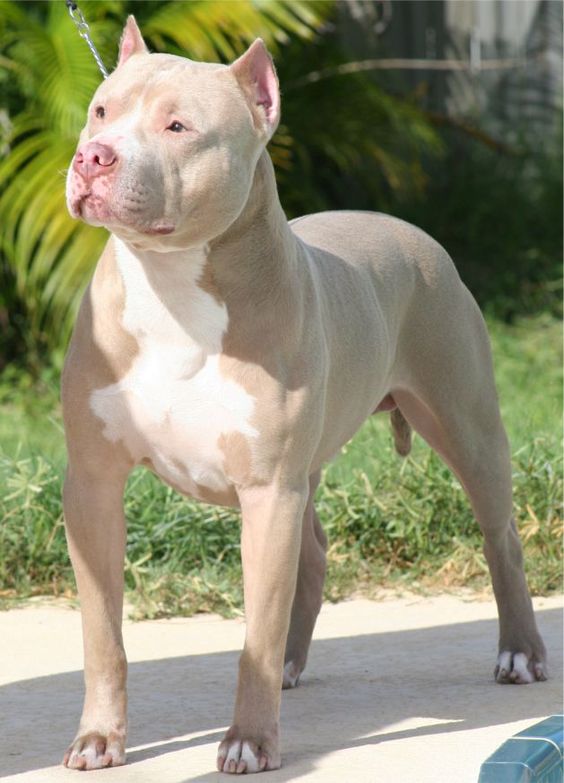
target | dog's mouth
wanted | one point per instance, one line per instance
(76, 205)
(89, 206)
(160, 230)
(94, 210)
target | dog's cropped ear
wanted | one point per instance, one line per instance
(256, 75)
(131, 41)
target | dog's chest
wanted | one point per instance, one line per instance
(173, 408)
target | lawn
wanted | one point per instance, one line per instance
(392, 522)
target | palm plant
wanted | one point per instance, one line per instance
(54, 79)
(343, 142)
(353, 145)
(47, 76)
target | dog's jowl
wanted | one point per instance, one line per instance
(233, 354)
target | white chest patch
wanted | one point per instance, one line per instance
(173, 405)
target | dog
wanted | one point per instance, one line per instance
(233, 354)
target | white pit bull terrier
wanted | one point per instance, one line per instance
(234, 354)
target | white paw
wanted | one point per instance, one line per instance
(291, 676)
(518, 669)
(95, 751)
(238, 756)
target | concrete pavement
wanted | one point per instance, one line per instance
(397, 691)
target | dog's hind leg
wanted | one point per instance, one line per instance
(452, 403)
(309, 591)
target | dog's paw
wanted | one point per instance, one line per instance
(291, 676)
(95, 751)
(239, 755)
(518, 669)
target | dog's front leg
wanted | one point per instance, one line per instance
(95, 525)
(270, 547)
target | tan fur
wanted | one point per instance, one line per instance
(325, 320)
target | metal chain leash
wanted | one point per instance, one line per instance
(84, 31)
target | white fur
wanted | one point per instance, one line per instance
(93, 759)
(234, 753)
(241, 751)
(504, 661)
(174, 404)
(515, 666)
(121, 135)
(249, 758)
(290, 678)
(520, 668)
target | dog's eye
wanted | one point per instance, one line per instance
(100, 112)
(176, 127)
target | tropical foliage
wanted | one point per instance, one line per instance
(47, 77)
(50, 76)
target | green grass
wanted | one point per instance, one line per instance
(391, 522)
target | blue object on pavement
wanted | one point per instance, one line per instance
(534, 755)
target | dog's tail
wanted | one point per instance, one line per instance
(402, 432)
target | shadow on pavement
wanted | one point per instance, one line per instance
(354, 691)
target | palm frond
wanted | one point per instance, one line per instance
(50, 255)
(60, 297)
(221, 29)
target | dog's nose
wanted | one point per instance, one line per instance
(93, 159)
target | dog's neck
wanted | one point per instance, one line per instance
(255, 255)
(252, 270)
(258, 251)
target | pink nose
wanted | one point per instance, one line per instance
(93, 160)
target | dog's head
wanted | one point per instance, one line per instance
(168, 153)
